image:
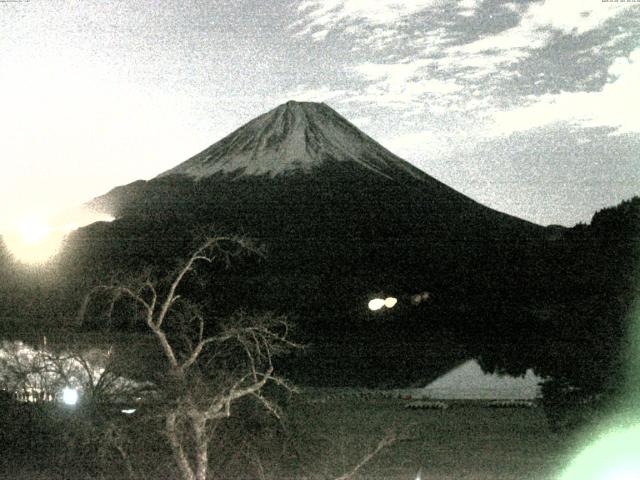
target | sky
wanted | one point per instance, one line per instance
(529, 107)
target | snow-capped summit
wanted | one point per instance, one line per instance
(295, 136)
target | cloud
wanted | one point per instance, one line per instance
(537, 27)
(320, 34)
(615, 105)
(327, 14)
(412, 144)
(398, 84)
(377, 37)
(468, 8)
(434, 67)
(572, 16)
(399, 72)
(540, 19)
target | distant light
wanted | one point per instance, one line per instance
(420, 297)
(128, 411)
(390, 302)
(376, 304)
(70, 396)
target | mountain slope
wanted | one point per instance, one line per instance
(296, 143)
(294, 136)
(343, 219)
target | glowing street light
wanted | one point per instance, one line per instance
(376, 304)
(379, 303)
(70, 396)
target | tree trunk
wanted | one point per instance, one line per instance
(186, 472)
(202, 446)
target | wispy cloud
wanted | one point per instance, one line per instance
(414, 145)
(572, 16)
(403, 83)
(327, 14)
(468, 8)
(454, 60)
(537, 27)
(400, 72)
(615, 105)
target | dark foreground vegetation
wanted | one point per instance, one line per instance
(221, 409)
(315, 440)
(556, 300)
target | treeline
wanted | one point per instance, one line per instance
(577, 330)
(553, 299)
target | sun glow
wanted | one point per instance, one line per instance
(33, 230)
(33, 240)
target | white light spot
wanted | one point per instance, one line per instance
(128, 411)
(35, 239)
(32, 240)
(376, 304)
(70, 396)
(33, 230)
(390, 302)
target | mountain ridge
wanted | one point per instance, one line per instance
(293, 136)
(293, 139)
(341, 219)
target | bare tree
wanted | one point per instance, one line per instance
(205, 373)
(38, 374)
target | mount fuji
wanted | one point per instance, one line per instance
(293, 137)
(343, 219)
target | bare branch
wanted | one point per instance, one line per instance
(386, 441)
(198, 255)
(166, 347)
(195, 354)
(268, 405)
(222, 407)
(82, 311)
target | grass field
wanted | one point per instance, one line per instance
(465, 441)
(327, 437)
